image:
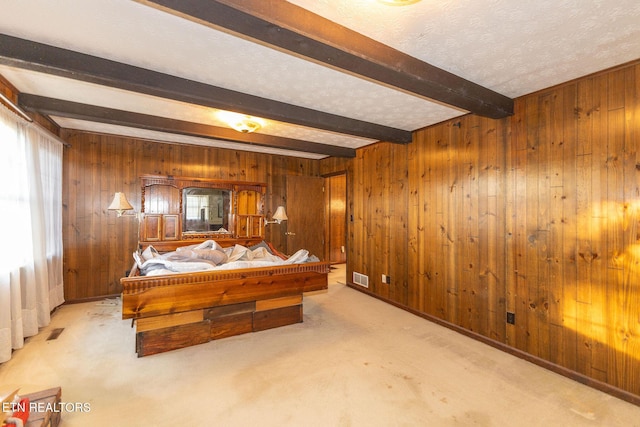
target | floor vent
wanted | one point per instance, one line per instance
(361, 279)
(55, 333)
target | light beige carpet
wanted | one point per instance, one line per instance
(355, 361)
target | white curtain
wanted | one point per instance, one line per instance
(31, 283)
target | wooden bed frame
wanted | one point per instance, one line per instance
(179, 310)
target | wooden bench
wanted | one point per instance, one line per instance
(50, 397)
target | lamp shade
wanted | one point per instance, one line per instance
(120, 204)
(280, 215)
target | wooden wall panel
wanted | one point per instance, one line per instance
(97, 244)
(456, 210)
(376, 216)
(537, 214)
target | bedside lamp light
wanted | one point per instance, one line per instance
(278, 217)
(120, 204)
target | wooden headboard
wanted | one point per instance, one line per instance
(235, 216)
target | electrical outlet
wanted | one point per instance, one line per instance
(342, 249)
(511, 318)
(384, 278)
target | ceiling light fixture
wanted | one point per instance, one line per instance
(241, 122)
(398, 2)
(246, 125)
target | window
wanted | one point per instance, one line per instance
(197, 207)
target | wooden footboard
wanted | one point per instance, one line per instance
(179, 310)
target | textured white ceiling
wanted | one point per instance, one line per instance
(514, 47)
(510, 46)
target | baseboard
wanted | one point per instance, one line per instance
(91, 299)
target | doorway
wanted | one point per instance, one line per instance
(317, 210)
(335, 195)
(305, 227)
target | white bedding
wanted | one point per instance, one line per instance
(211, 256)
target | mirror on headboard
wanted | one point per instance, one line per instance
(180, 209)
(205, 209)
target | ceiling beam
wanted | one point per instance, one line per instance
(289, 27)
(74, 110)
(43, 58)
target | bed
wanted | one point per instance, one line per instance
(172, 308)
(176, 309)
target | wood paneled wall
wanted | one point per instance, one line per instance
(537, 214)
(573, 278)
(377, 222)
(97, 244)
(456, 224)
